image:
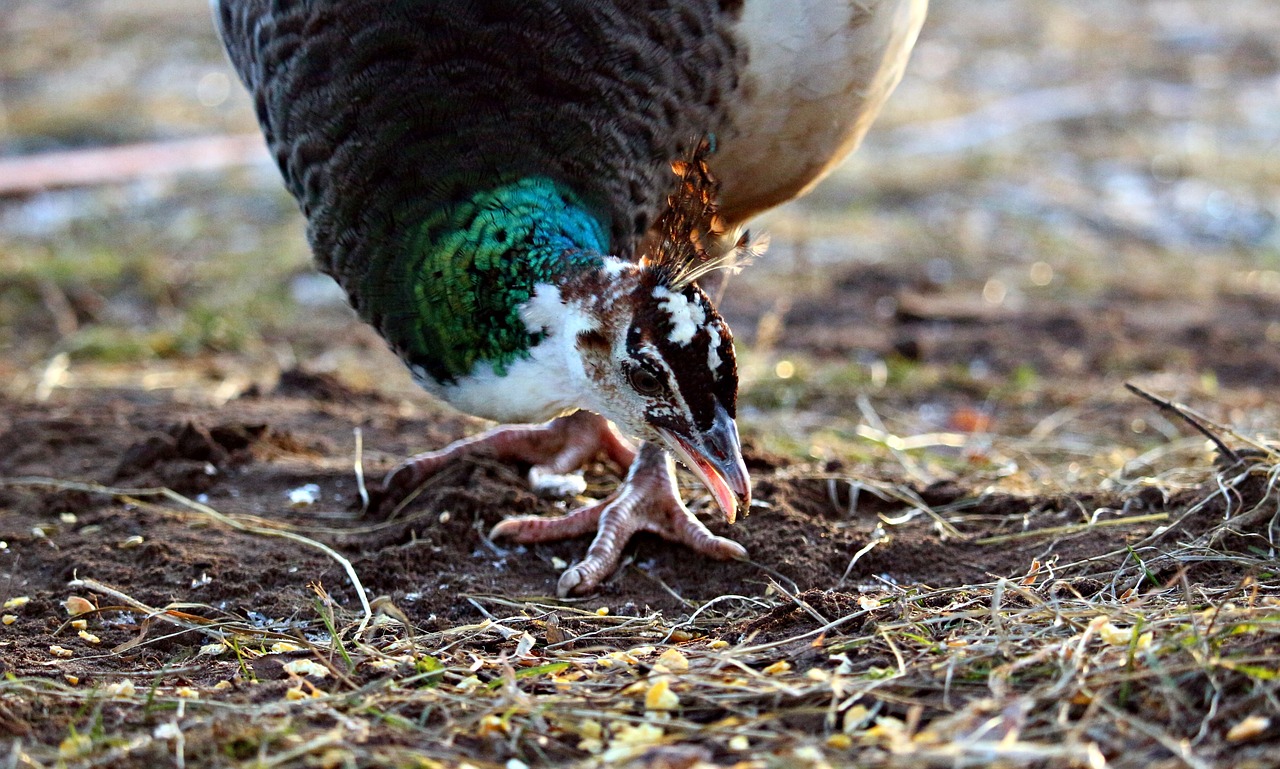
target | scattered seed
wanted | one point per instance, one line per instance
(660, 696)
(167, 731)
(75, 745)
(1249, 728)
(89, 637)
(9, 619)
(130, 542)
(637, 735)
(635, 687)
(809, 755)
(59, 651)
(75, 605)
(17, 603)
(777, 668)
(617, 658)
(492, 724)
(306, 668)
(854, 718)
(123, 688)
(80, 624)
(673, 661)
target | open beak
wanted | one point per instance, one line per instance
(715, 456)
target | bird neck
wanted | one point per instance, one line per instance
(468, 267)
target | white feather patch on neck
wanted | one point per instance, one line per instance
(686, 317)
(550, 382)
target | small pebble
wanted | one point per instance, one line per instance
(304, 495)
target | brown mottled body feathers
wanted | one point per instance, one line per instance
(377, 110)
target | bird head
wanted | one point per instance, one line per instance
(661, 364)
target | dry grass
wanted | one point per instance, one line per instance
(1093, 663)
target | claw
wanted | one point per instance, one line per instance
(556, 448)
(648, 500)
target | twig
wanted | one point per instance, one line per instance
(1073, 528)
(359, 468)
(867, 548)
(1188, 416)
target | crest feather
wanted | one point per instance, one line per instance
(689, 236)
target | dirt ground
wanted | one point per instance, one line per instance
(244, 458)
(1060, 199)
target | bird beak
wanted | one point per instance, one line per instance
(715, 456)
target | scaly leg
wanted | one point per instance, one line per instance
(648, 500)
(554, 449)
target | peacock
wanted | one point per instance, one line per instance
(521, 196)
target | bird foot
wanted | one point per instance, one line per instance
(648, 500)
(555, 449)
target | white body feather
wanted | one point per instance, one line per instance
(818, 73)
(550, 382)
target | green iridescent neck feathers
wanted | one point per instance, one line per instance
(450, 295)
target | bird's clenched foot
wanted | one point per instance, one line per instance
(554, 449)
(648, 500)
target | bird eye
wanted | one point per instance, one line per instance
(644, 381)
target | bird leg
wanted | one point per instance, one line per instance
(553, 448)
(648, 500)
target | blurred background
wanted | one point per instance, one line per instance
(1060, 196)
